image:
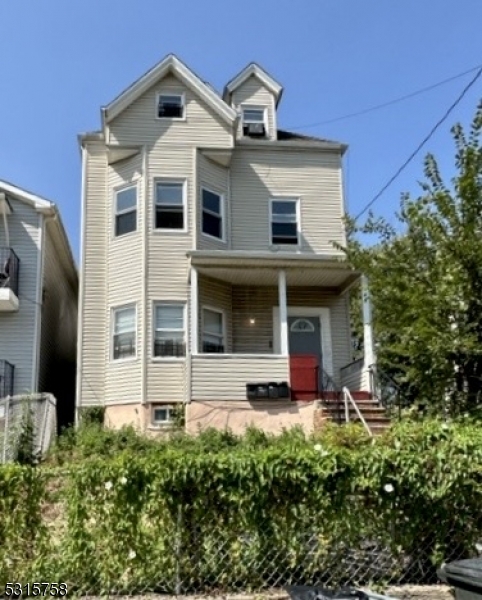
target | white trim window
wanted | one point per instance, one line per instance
(254, 121)
(212, 218)
(170, 205)
(162, 414)
(124, 332)
(169, 330)
(125, 210)
(213, 331)
(284, 221)
(170, 106)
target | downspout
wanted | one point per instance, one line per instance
(80, 338)
(7, 233)
(145, 276)
(44, 217)
(190, 324)
(3, 199)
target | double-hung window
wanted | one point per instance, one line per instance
(170, 205)
(170, 106)
(213, 331)
(126, 210)
(124, 332)
(212, 214)
(284, 221)
(253, 120)
(169, 330)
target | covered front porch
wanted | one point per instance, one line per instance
(251, 316)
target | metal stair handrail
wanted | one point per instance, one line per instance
(385, 389)
(327, 383)
(347, 399)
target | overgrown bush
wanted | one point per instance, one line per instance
(220, 511)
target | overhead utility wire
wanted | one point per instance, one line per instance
(389, 103)
(422, 143)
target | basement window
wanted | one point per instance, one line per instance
(162, 414)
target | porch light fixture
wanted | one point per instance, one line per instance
(252, 321)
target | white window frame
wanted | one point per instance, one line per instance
(254, 107)
(222, 214)
(168, 92)
(114, 310)
(182, 182)
(298, 220)
(116, 191)
(155, 304)
(223, 327)
(170, 410)
(263, 108)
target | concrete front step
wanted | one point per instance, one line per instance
(356, 395)
(362, 405)
(371, 413)
(374, 414)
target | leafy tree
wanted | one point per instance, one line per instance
(426, 281)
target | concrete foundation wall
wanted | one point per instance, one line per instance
(271, 416)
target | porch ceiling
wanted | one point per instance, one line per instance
(263, 271)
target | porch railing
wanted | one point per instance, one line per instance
(9, 268)
(352, 375)
(6, 378)
(387, 391)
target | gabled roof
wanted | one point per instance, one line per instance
(170, 64)
(49, 209)
(24, 196)
(253, 70)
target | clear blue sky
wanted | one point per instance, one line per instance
(61, 60)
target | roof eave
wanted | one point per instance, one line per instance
(34, 200)
(170, 64)
(253, 70)
(300, 145)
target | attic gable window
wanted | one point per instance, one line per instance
(254, 121)
(170, 106)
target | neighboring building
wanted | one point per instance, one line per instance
(38, 300)
(208, 255)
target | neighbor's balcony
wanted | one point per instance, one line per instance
(6, 378)
(9, 268)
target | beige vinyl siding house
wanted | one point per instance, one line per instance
(229, 255)
(38, 300)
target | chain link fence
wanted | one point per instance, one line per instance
(33, 415)
(180, 554)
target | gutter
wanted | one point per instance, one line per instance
(267, 256)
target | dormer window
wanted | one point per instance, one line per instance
(254, 122)
(170, 106)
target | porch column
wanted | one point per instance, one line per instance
(283, 313)
(369, 348)
(194, 311)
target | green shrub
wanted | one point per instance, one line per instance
(213, 510)
(92, 415)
